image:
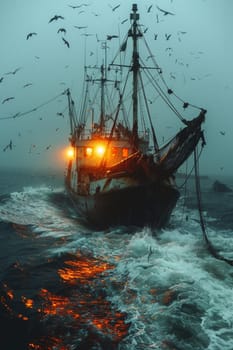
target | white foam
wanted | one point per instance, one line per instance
(151, 267)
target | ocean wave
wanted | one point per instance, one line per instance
(173, 293)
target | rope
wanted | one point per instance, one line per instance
(210, 247)
(18, 115)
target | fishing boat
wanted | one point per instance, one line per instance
(118, 173)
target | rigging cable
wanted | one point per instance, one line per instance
(210, 247)
(18, 115)
(155, 142)
(169, 91)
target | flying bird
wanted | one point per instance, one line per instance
(10, 146)
(124, 20)
(222, 132)
(1, 79)
(55, 18)
(149, 8)
(165, 12)
(74, 7)
(61, 114)
(7, 99)
(66, 42)
(77, 6)
(26, 85)
(80, 27)
(86, 34)
(31, 34)
(116, 7)
(110, 37)
(167, 36)
(61, 30)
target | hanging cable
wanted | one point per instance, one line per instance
(18, 115)
(210, 247)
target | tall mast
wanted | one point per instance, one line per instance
(102, 105)
(103, 79)
(134, 33)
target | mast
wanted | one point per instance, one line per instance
(102, 104)
(134, 33)
(103, 79)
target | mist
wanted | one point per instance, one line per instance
(197, 67)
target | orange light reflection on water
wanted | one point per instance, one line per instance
(82, 270)
(86, 307)
(79, 302)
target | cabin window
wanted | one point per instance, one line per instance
(114, 151)
(88, 151)
(125, 152)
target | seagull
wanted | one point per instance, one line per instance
(167, 36)
(222, 132)
(7, 99)
(155, 36)
(165, 12)
(116, 7)
(55, 18)
(77, 6)
(74, 7)
(1, 79)
(26, 85)
(66, 42)
(10, 146)
(61, 30)
(149, 8)
(110, 37)
(30, 35)
(124, 20)
(86, 34)
(80, 27)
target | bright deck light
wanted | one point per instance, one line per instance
(70, 152)
(100, 150)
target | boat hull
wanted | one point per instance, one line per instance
(143, 205)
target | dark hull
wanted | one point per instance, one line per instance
(145, 205)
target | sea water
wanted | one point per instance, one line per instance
(64, 286)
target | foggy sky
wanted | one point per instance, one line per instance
(201, 62)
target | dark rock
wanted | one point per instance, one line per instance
(220, 187)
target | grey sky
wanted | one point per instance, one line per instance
(201, 62)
